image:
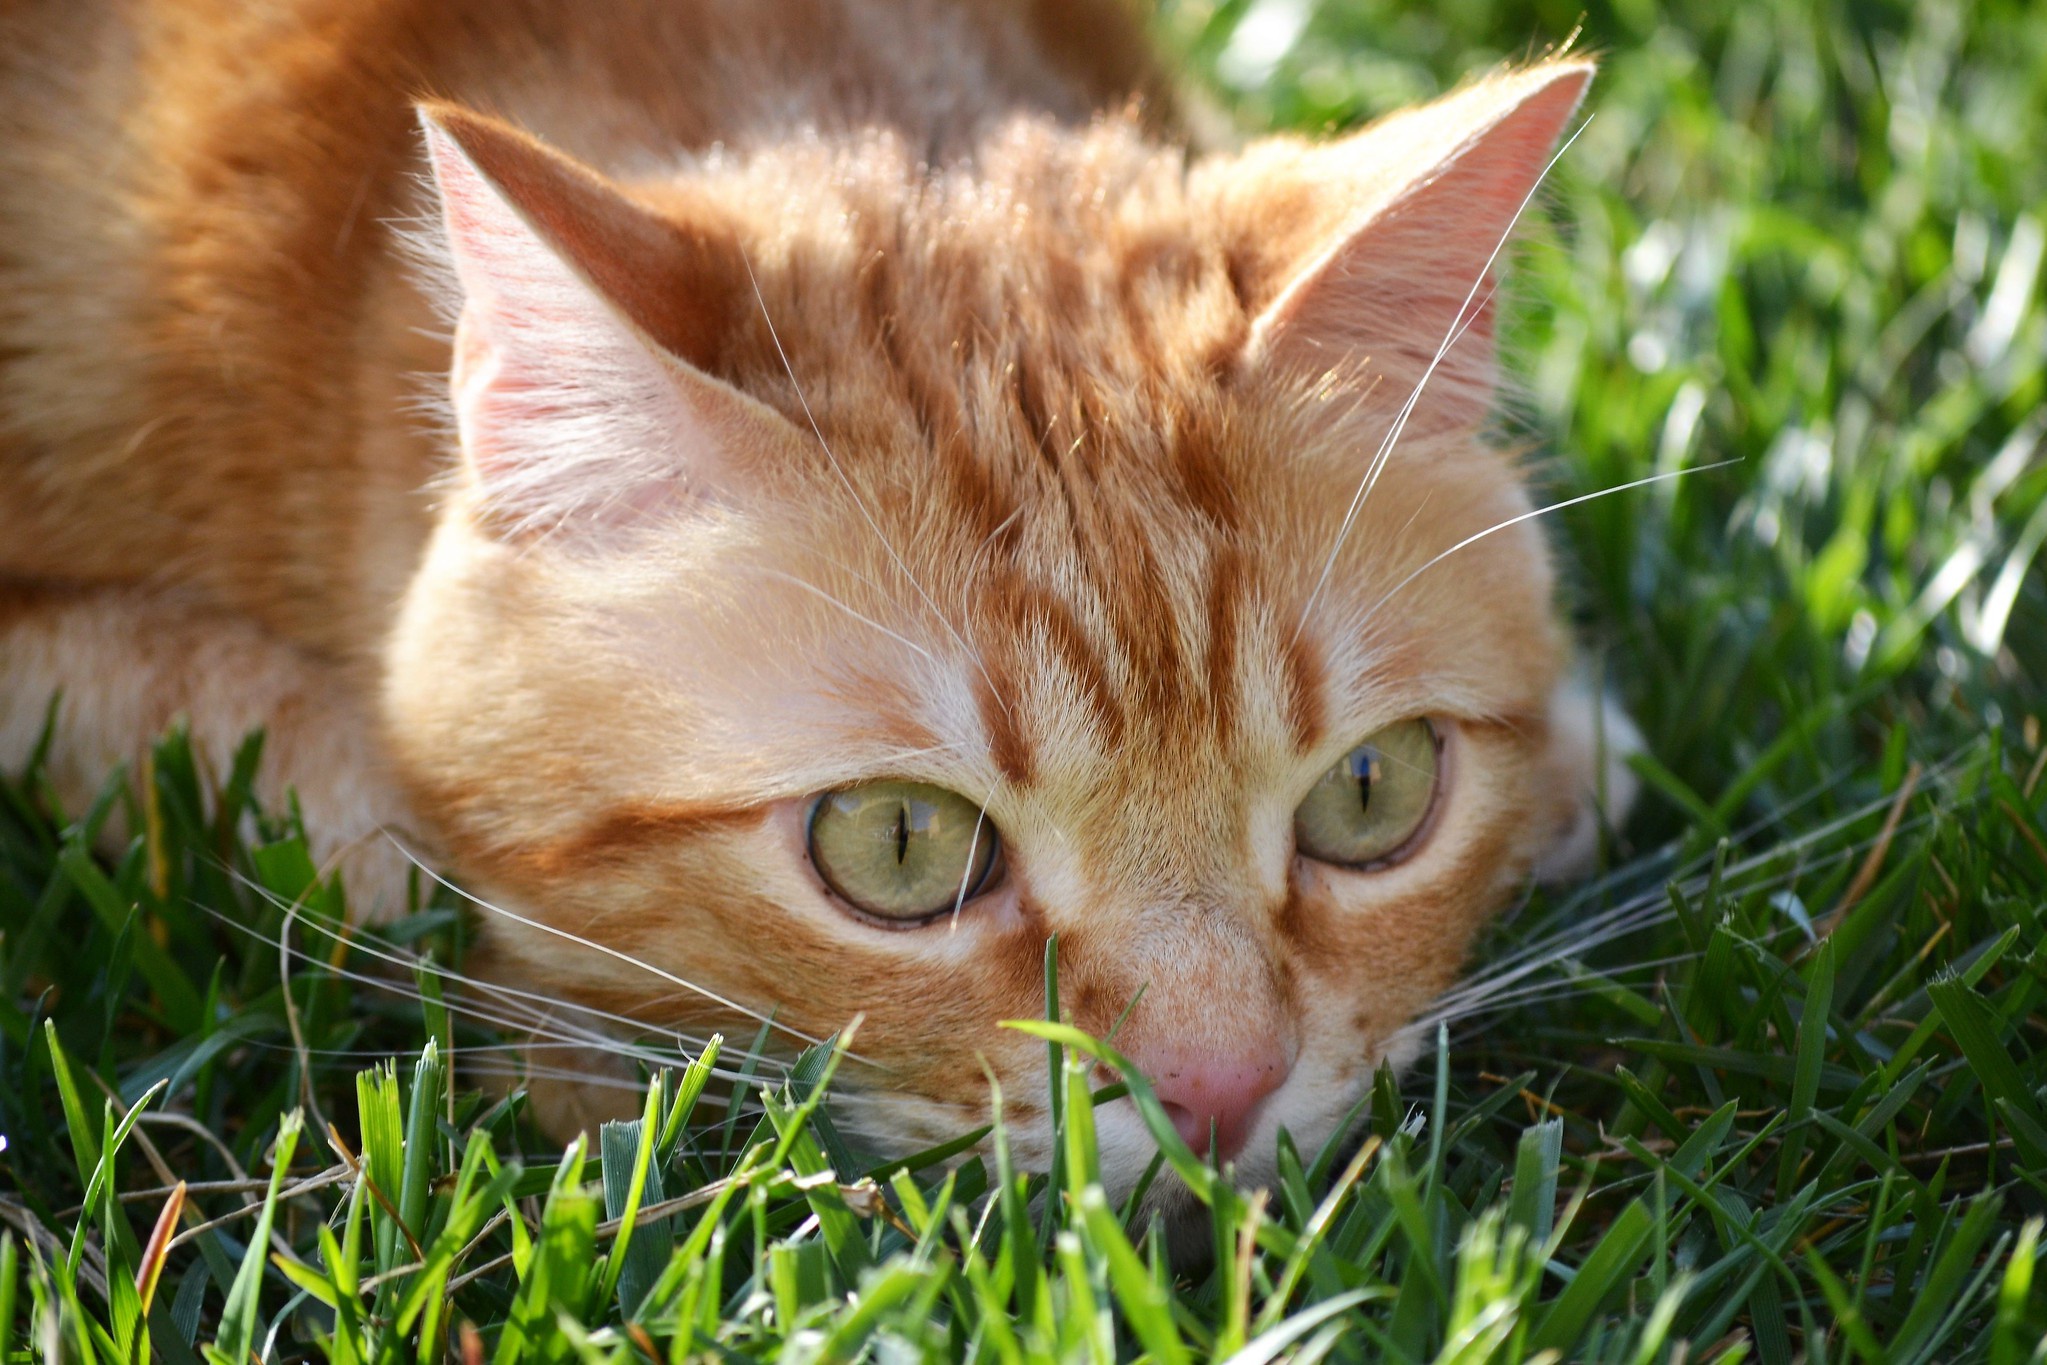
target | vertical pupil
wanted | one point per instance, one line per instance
(902, 834)
(1361, 766)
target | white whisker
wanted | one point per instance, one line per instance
(860, 503)
(980, 822)
(532, 1026)
(1515, 978)
(608, 951)
(517, 1009)
(857, 615)
(498, 1061)
(1459, 324)
(973, 566)
(1497, 527)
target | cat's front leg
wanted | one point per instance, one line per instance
(126, 662)
(1591, 739)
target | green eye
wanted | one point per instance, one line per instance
(902, 850)
(1374, 800)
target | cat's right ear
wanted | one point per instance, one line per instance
(587, 323)
(1378, 252)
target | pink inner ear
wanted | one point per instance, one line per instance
(566, 413)
(1412, 285)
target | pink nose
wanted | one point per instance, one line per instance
(1207, 1091)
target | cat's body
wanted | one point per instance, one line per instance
(917, 411)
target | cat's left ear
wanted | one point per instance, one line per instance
(1380, 249)
(589, 322)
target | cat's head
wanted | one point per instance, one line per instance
(860, 572)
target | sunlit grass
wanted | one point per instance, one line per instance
(1793, 1105)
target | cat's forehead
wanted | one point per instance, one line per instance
(1120, 637)
(1021, 298)
(1034, 462)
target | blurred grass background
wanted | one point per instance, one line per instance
(1774, 1087)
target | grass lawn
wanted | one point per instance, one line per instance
(1773, 1088)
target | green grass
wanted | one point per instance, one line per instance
(1781, 1094)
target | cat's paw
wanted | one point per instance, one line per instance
(1591, 739)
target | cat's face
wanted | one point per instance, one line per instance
(1033, 575)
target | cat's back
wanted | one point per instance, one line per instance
(208, 342)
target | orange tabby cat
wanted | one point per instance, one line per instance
(896, 504)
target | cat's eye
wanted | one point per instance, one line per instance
(1373, 802)
(902, 850)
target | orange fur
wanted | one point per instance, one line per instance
(975, 435)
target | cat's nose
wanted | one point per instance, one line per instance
(1214, 1091)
